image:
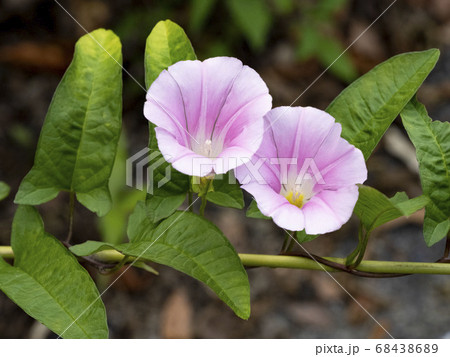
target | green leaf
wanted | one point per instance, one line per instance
(374, 208)
(167, 44)
(254, 212)
(226, 192)
(163, 207)
(432, 142)
(4, 190)
(368, 106)
(254, 19)
(91, 247)
(79, 138)
(192, 245)
(302, 237)
(48, 283)
(438, 231)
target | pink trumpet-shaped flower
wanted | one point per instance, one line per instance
(208, 115)
(304, 174)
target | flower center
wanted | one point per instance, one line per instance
(298, 193)
(207, 147)
(295, 198)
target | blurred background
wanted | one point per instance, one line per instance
(289, 43)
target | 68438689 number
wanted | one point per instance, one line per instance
(406, 348)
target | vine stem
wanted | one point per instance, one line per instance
(71, 209)
(295, 262)
(203, 205)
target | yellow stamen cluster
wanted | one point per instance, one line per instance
(295, 198)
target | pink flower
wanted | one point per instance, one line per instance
(304, 175)
(208, 115)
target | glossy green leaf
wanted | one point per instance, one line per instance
(432, 142)
(192, 245)
(226, 192)
(49, 284)
(91, 247)
(374, 208)
(254, 212)
(167, 44)
(79, 138)
(4, 190)
(163, 207)
(368, 106)
(254, 19)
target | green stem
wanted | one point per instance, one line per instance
(292, 262)
(203, 205)
(291, 241)
(6, 252)
(288, 243)
(71, 209)
(370, 266)
(125, 259)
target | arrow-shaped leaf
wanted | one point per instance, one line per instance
(79, 138)
(190, 244)
(368, 106)
(47, 282)
(432, 142)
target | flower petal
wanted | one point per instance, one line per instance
(340, 163)
(274, 205)
(247, 100)
(328, 210)
(214, 109)
(182, 158)
(299, 132)
(260, 171)
(178, 91)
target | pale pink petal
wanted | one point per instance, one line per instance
(248, 99)
(339, 162)
(249, 138)
(329, 210)
(164, 119)
(181, 158)
(260, 171)
(347, 169)
(179, 91)
(219, 76)
(165, 94)
(299, 132)
(214, 109)
(271, 204)
(289, 217)
(310, 137)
